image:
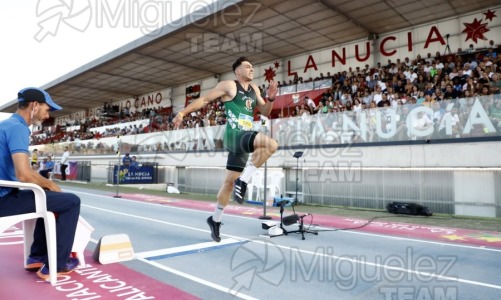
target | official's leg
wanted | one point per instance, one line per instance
(67, 208)
(66, 205)
(16, 203)
(22, 202)
(63, 172)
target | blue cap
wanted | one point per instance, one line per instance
(32, 94)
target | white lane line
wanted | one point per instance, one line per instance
(188, 249)
(438, 276)
(198, 280)
(147, 219)
(388, 267)
(173, 271)
(344, 258)
(327, 229)
(191, 277)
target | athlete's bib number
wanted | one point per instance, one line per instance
(245, 122)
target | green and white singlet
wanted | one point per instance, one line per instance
(239, 118)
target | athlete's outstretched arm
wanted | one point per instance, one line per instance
(221, 89)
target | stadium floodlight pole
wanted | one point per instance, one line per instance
(119, 148)
(265, 125)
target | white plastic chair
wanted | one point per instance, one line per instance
(29, 221)
(255, 183)
(275, 183)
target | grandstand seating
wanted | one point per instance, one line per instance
(322, 90)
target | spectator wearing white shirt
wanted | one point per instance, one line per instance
(438, 112)
(393, 69)
(378, 95)
(414, 75)
(467, 70)
(346, 95)
(310, 103)
(427, 67)
(429, 58)
(382, 85)
(454, 73)
(394, 99)
(407, 61)
(407, 73)
(438, 64)
(452, 118)
(421, 122)
(367, 98)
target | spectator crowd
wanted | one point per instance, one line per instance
(433, 81)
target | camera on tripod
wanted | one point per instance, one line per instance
(277, 229)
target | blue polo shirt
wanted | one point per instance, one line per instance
(49, 165)
(14, 138)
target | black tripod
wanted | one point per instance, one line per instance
(293, 219)
(297, 155)
(447, 47)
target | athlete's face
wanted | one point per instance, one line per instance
(246, 71)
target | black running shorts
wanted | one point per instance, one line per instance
(239, 146)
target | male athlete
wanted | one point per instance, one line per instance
(240, 97)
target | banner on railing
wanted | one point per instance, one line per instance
(134, 174)
(449, 119)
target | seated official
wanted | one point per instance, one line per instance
(134, 163)
(47, 167)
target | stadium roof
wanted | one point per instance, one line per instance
(175, 54)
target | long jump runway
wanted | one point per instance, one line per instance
(175, 258)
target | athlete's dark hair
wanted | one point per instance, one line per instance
(238, 62)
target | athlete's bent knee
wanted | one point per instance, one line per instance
(272, 145)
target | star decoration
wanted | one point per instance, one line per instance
(269, 74)
(489, 15)
(277, 64)
(475, 30)
(454, 237)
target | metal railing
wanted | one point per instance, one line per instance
(450, 120)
